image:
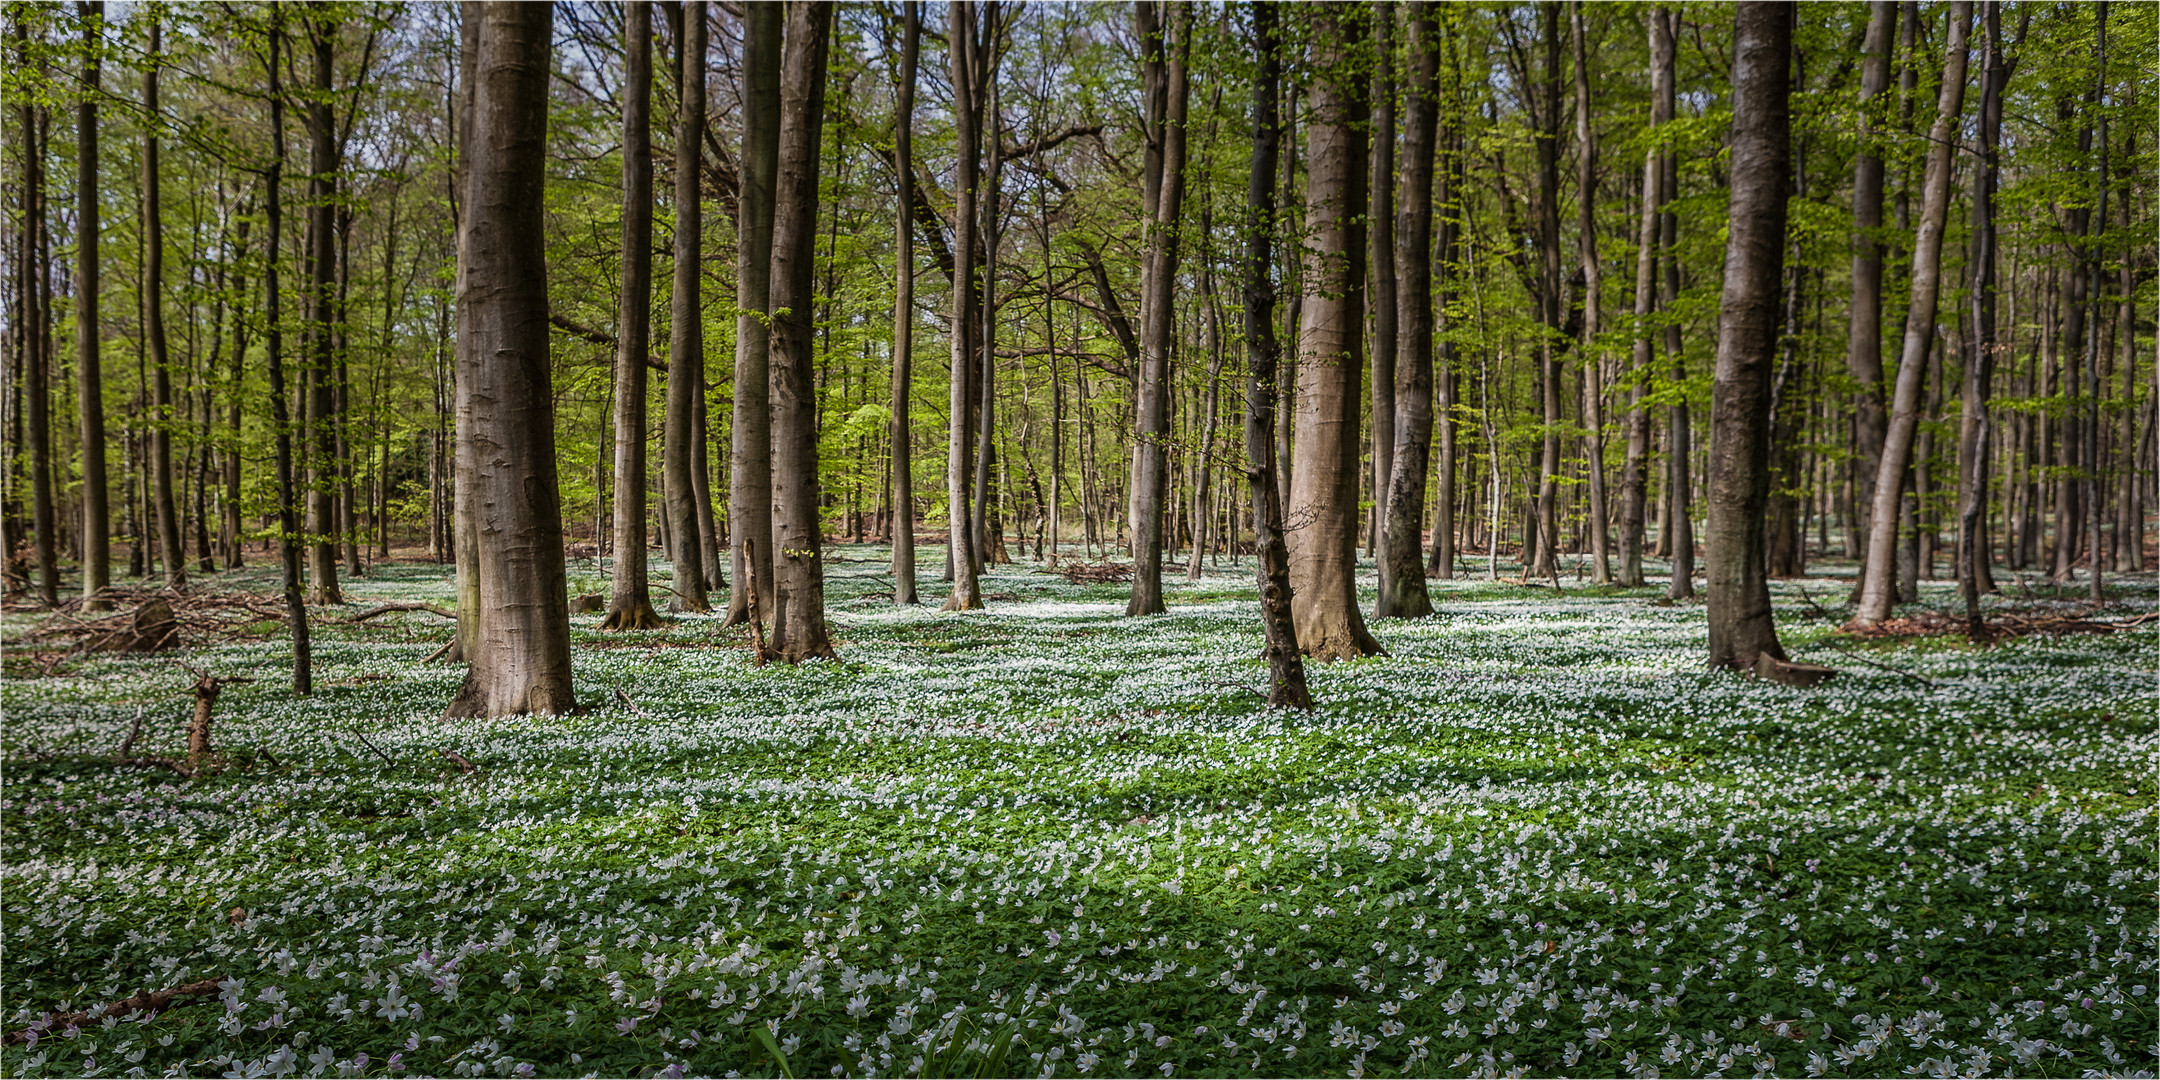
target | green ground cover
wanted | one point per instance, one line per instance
(1535, 838)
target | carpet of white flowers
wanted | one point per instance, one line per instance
(1534, 838)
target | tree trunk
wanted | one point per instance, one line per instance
(988, 534)
(903, 381)
(320, 438)
(1593, 285)
(1878, 587)
(630, 605)
(1976, 428)
(1543, 558)
(1380, 283)
(1863, 357)
(1402, 573)
(1679, 522)
(1741, 627)
(798, 569)
(235, 550)
(966, 594)
(506, 450)
(750, 516)
(36, 339)
(288, 515)
(1635, 472)
(1165, 47)
(1286, 666)
(1324, 481)
(153, 315)
(89, 367)
(680, 446)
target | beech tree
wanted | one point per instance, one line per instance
(630, 605)
(682, 448)
(1166, 43)
(89, 360)
(1402, 574)
(750, 486)
(1741, 627)
(506, 445)
(903, 356)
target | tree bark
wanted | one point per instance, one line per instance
(1679, 523)
(630, 605)
(1165, 46)
(1635, 471)
(1380, 284)
(36, 338)
(1863, 357)
(1741, 626)
(903, 380)
(153, 313)
(798, 567)
(1976, 429)
(1324, 480)
(288, 511)
(1878, 587)
(1593, 391)
(1403, 593)
(320, 439)
(1286, 666)
(966, 594)
(89, 367)
(1544, 555)
(750, 487)
(680, 445)
(506, 449)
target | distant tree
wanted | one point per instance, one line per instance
(89, 363)
(630, 606)
(153, 313)
(903, 462)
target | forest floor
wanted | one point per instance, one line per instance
(1535, 837)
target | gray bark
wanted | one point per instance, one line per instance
(903, 465)
(680, 445)
(750, 475)
(630, 603)
(1403, 593)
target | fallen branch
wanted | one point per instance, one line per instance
(1849, 654)
(157, 763)
(402, 605)
(378, 753)
(151, 1001)
(627, 703)
(463, 765)
(128, 743)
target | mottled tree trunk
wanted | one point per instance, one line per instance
(506, 450)
(1402, 573)
(630, 605)
(288, 510)
(1679, 522)
(1324, 482)
(1542, 559)
(798, 567)
(1381, 313)
(1976, 432)
(1741, 626)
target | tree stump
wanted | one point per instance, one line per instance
(198, 731)
(153, 629)
(1789, 672)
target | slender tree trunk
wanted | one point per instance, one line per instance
(1741, 627)
(750, 551)
(2093, 489)
(288, 515)
(1402, 573)
(1544, 556)
(988, 532)
(1211, 402)
(1286, 666)
(630, 605)
(1450, 180)
(89, 366)
(1324, 483)
(1166, 45)
(1976, 427)
(506, 454)
(1635, 472)
(1878, 588)
(235, 550)
(1863, 357)
(320, 438)
(903, 379)
(686, 339)
(1593, 286)
(153, 314)
(966, 594)
(798, 567)
(1380, 283)
(1679, 523)
(36, 337)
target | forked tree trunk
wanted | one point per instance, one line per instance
(89, 367)
(798, 565)
(1741, 627)
(680, 445)
(506, 450)
(153, 311)
(1878, 584)
(1401, 559)
(966, 594)
(903, 462)
(750, 552)
(630, 606)
(1324, 481)
(1286, 666)
(1165, 46)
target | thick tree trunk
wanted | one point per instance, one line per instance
(506, 450)
(1286, 666)
(680, 447)
(1165, 47)
(630, 605)
(966, 594)
(320, 438)
(1878, 587)
(89, 367)
(798, 566)
(153, 314)
(1593, 285)
(1324, 482)
(750, 489)
(902, 435)
(1741, 627)
(288, 510)
(1402, 573)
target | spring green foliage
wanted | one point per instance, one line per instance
(1533, 836)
